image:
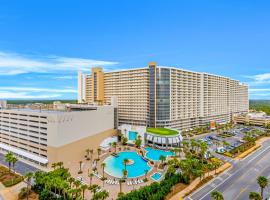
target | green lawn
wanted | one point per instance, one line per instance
(161, 131)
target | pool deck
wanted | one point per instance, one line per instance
(112, 189)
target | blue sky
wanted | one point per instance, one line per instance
(44, 43)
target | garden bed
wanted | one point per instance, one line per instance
(7, 178)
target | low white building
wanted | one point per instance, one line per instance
(47, 136)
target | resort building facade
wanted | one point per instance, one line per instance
(44, 137)
(157, 96)
(252, 118)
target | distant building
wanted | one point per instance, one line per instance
(253, 118)
(47, 136)
(157, 96)
(3, 104)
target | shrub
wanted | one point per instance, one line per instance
(155, 191)
(23, 193)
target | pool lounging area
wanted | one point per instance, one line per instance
(115, 165)
(156, 176)
(154, 154)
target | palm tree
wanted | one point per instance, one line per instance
(98, 151)
(217, 195)
(125, 173)
(103, 194)
(162, 158)
(87, 154)
(263, 182)
(125, 130)
(80, 170)
(114, 144)
(91, 153)
(94, 188)
(203, 147)
(54, 165)
(90, 178)
(8, 159)
(145, 174)
(125, 163)
(254, 196)
(13, 161)
(71, 180)
(83, 188)
(77, 183)
(103, 165)
(120, 185)
(28, 176)
(60, 164)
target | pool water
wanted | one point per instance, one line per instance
(115, 165)
(132, 135)
(156, 176)
(154, 154)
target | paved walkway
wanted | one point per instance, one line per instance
(10, 193)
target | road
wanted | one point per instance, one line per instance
(20, 166)
(238, 181)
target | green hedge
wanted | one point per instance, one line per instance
(156, 191)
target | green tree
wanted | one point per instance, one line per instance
(216, 195)
(114, 144)
(263, 182)
(91, 154)
(80, 167)
(87, 154)
(254, 196)
(125, 163)
(103, 165)
(28, 176)
(138, 141)
(101, 195)
(94, 188)
(90, 175)
(83, 188)
(13, 161)
(125, 173)
(145, 173)
(99, 152)
(124, 140)
(8, 159)
(162, 158)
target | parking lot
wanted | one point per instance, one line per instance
(227, 140)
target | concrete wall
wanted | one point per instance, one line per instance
(74, 152)
(65, 128)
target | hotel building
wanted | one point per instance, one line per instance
(157, 96)
(47, 136)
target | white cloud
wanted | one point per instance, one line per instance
(25, 95)
(13, 63)
(262, 77)
(65, 77)
(255, 90)
(32, 89)
(259, 79)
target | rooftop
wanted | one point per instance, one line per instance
(162, 131)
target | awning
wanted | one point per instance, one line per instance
(24, 153)
(105, 144)
(163, 140)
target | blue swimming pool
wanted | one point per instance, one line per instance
(132, 135)
(156, 176)
(115, 165)
(154, 154)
